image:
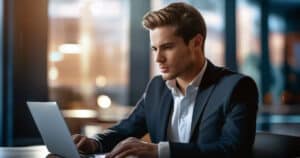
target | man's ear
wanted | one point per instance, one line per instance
(198, 40)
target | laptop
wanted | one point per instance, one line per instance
(54, 130)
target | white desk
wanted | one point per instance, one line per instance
(39, 151)
(24, 152)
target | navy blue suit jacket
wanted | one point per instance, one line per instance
(223, 124)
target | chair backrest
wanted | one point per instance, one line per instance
(270, 145)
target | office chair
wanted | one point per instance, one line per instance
(270, 145)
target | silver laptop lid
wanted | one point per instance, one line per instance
(53, 129)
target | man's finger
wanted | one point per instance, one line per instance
(76, 138)
(122, 146)
(81, 142)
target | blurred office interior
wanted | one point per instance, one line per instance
(93, 58)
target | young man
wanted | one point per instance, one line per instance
(193, 109)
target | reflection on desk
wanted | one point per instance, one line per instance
(24, 152)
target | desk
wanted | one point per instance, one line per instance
(280, 109)
(39, 151)
(24, 152)
(280, 119)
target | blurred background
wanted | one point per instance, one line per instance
(93, 58)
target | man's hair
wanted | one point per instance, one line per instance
(187, 20)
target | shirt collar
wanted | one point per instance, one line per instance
(171, 84)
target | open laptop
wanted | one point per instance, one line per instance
(54, 131)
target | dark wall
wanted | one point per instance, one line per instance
(289, 10)
(139, 50)
(292, 21)
(25, 67)
(1, 72)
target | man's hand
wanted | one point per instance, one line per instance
(134, 147)
(84, 144)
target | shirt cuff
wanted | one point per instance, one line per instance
(163, 150)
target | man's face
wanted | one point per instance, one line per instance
(175, 58)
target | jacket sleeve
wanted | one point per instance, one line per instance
(238, 131)
(133, 126)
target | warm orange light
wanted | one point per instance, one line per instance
(104, 101)
(101, 81)
(80, 113)
(53, 73)
(70, 48)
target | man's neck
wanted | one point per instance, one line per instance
(183, 82)
(182, 85)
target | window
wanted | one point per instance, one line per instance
(88, 53)
(248, 40)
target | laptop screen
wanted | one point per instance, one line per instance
(53, 129)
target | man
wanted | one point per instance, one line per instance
(194, 109)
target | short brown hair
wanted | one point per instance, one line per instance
(187, 20)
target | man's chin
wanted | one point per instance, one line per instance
(167, 77)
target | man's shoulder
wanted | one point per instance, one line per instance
(231, 74)
(232, 83)
(229, 77)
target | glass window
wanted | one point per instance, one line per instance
(291, 95)
(248, 40)
(276, 47)
(88, 52)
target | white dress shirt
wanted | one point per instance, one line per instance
(179, 128)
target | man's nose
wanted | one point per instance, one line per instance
(159, 58)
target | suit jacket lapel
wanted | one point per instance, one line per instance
(166, 103)
(205, 89)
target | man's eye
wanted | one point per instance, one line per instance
(153, 49)
(168, 47)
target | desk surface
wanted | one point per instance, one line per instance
(39, 151)
(280, 109)
(24, 152)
